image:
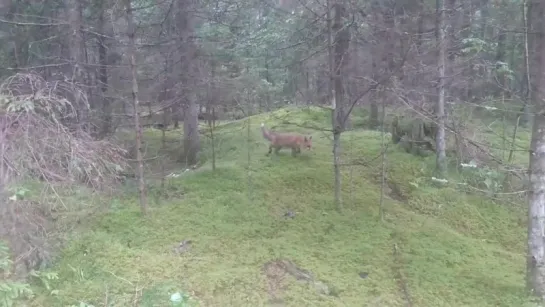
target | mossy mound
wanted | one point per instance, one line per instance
(435, 247)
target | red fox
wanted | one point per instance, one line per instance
(290, 140)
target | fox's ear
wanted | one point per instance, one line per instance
(310, 138)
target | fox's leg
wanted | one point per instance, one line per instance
(277, 149)
(270, 149)
(294, 151)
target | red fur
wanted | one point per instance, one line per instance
(289, 140)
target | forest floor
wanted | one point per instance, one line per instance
(264, 231)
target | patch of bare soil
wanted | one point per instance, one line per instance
(276, 282)
(391, 189)
(395, 192)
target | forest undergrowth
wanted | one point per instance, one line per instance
(263, 231)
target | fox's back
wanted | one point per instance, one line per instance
(293, 140)
(287, 140)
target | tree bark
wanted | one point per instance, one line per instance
(373, 116)
(484, 19)
(191, 132)
(106, 119)
(525, 90)
(337, 54)
(75, 49)
(131, 50)
(440, 106)
(536, 199)
(341, 44)
(184, 24)
(334, 108)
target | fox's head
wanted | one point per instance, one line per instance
(307, 142)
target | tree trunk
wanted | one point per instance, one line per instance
(501, 52)
(536, 199)
(184, 24)
(525, 84)
(212, 126)
(377, 94)
(75, 49)
(536, 209)
(337, 54)
(373, 116)
(267, 93)
(341, 43)
(175, 109)
(334, 108)
(440, 107)
(131, 50)
(106, 119)
(484, 19)
(421, 22)
(191, 132)
(211, 111)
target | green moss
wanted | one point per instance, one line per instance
(452, 249)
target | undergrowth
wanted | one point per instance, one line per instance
(209, 242)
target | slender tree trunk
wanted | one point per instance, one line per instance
(337, 54)
(106, 126)
(249, 156)
(373, 116)
(536, 212)
(212, 126)
(536, 199)
(131, 29)
(421, 24)
(191, 132)
(211, 110)
(165, 95)
(383, 147)
(501, 51)
(526, 94)
(184, 24)
(484, 19)
(341, 44)
(378, 94)
(440, 107)
(77, 59)
(334, 109)
(267, 94)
